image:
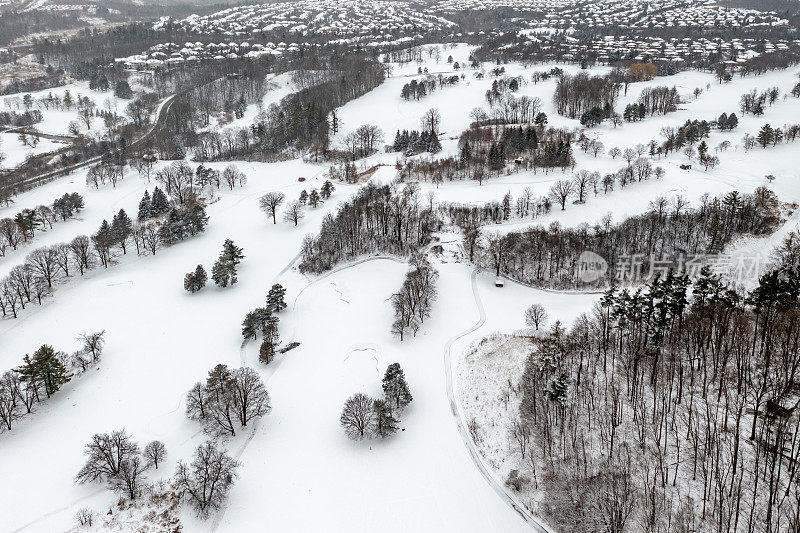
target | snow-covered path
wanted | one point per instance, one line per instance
(455, 407)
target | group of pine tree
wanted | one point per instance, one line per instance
(42, 374)
(416, 142)
(264, 320)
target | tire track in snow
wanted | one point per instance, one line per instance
(59, 510)
(339, 293)
(371, 347)
(276, 364)
(457, 416)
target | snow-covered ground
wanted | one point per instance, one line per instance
(299, 472)
(15, 152)
(277, 88)
(56, 121)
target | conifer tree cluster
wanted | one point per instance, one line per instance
(772, 136)
(416, 141)
(67, 205)
(153, 207)
(727, 122)
(196, 280)
(264, 320)
(315, 198)
(224, 270)
(182, 222)
(41, 375)
(365, 417)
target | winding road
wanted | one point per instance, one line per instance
(459, 420)
(158, 122)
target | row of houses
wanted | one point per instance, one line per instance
(686, 50)
(194, 53)
(318, 17)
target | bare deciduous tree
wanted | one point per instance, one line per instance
(206, 481)
(105, 454)
(535, 316)
(270, 202)
(155, 452)
(358, 416)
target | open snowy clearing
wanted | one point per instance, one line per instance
(56, 121)
(16, 152)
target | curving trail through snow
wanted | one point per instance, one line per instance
(457, 416)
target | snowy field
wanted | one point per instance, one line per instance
(739, 170)
(299, 472)
(56, 121)
(15, 152)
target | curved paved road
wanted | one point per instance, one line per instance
(160, 113)
(462, 429)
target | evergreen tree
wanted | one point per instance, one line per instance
(385, 422)
(398, 142)
(224, 270)
(223, 273)
(506, 205)
(121, 229)
(326, 190)
(194, 281)
(266, 353)
(702, 148)
(123, 90)
(313, 198)
(160, 203)
(466, 153)
(434, 146)
(260, 320)
(231, 253)
(275, 298)
(45, 369)
(395, 387)
(103, 241)
(766, 136)
(303, 197)
(145, 207)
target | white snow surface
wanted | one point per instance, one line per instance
(299, 472)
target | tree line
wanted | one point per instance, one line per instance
(548, 257)
(22, 228)
(412, 304)
(379, 218)
(43, 268)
